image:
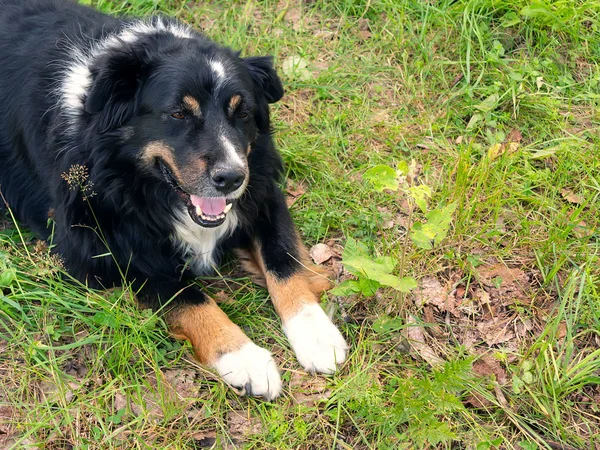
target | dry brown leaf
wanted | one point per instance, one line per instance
(496, 331)
(488, 365)
(242, 424)
(293, 14)
(294, 190)
(320, 253)
(182, 381)
(496, 150)
(504, 284)
(206, 438)
(364, 34)
(514, 136)
(478, 401)
(571, 197)
(309, 390)
(581, 230)
(416, 337)
(431, 292)
(561, 332)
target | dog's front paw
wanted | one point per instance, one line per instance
(252, 370)
(318, 344)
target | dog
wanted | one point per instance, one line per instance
(152, 146)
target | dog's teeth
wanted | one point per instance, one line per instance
(198, 210)
(227, 208)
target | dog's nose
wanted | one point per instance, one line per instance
(228, 179)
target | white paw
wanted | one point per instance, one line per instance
(318, 344)
(251, 369)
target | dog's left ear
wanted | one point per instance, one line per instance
(265, 77)
(115, 81)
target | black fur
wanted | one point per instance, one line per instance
(133, 206)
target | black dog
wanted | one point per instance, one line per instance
(151, 142)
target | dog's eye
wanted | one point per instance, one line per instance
(242, 115)
(178, 115)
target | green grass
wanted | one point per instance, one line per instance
(437, 83)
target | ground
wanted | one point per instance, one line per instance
(494, 107)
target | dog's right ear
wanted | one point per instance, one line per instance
(265, 77)
(115, 82)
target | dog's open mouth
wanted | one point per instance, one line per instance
(208, 212)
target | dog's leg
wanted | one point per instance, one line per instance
(275, 252)
(222, 345)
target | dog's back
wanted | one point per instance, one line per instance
(31, 70)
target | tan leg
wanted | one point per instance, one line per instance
(222, 345)
(318, 344)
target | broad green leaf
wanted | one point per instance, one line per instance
(382, 177)
(385, 324)
(402, 167)
(489, 104)
(510, 19)
(526, 445)
(422, 236)
(359, 263)
(7, 276)
(440, 219)
(544, 152)
(346, 288)
(101, 318)
(420, 194)
(435, 230)
(368, 287)
(475, 119)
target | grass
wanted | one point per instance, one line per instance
(447, 85)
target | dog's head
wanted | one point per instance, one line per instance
(187, 112)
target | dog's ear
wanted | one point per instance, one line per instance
(265, 77)
(115, 81)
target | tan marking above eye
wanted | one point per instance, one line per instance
(192, 104)
(234, 102)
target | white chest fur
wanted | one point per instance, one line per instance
(198, 243)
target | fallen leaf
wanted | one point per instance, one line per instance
(571, 197)
(294, 191)
(416, 337)
(561, 331)
(364, 34)
(514, 136)
(293, 14)
(241, 424)
(487, 365)
(296, 67)
(320, 253)
(581, 230)
(512, 147)
(478, 401)
(496, 150)
(504, 284)
(496, 331)
(182, 382)
(309, 390)
(431, 292)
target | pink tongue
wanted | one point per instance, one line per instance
(211, 206)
